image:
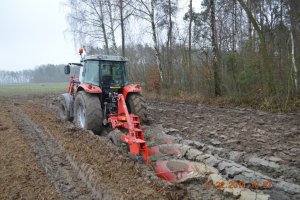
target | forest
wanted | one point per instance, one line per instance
(41, 74)
(241, 51)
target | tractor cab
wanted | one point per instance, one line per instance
(106, 72)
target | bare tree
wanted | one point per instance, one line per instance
(121, 8)
(112, 25)
(190, 34)
(270, 86)
(293, 32)
(88, 20)
(249, 4)
(234, 23)
(146, 10)
(125, 11)
(100, 14)
(216, 56)
(167, 13)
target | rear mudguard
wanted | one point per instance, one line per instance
(69, 102)
(89, 88)
(133, 88)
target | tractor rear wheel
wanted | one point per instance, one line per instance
(137, 105)
(88, 112)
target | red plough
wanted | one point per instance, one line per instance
(135, 139)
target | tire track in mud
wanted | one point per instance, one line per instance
(69, 179)
(102, 163)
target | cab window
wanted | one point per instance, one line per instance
(91, 72)
(112, 73)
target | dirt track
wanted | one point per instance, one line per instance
(20, 175)
(65, 162)
(80, 164)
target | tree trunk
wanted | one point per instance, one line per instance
(112, 26)
(169, 42)
(294, 67)
(156, 47)
(234, 29)
(122, 26)
(251, 45)
(215, 49)
(103, 27)
(269, 83)
(190, 35)
(293, 33)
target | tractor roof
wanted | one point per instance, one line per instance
(106, 57)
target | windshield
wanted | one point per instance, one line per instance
(113, 73)
(104, 73)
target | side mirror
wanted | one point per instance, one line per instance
(67, 69)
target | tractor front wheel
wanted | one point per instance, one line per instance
(137, 105)
(88, 112)
(64, 108)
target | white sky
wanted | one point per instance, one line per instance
(34, 32)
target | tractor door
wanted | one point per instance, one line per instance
(90, 73)
(81, 75)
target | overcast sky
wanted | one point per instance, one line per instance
(34, 32)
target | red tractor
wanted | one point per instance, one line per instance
(101, 96)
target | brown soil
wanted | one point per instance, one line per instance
(20, 175)
(42, 157)
(251, 132)
(101, 165)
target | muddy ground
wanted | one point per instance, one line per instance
(79, 164)
(247, 136)
(20, 175)
(42, 157)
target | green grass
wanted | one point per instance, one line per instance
(32, 88)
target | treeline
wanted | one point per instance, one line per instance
(234, 48)
(42, 74)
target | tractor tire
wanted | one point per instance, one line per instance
(88, 112)
(64, 112)
(137, 105)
